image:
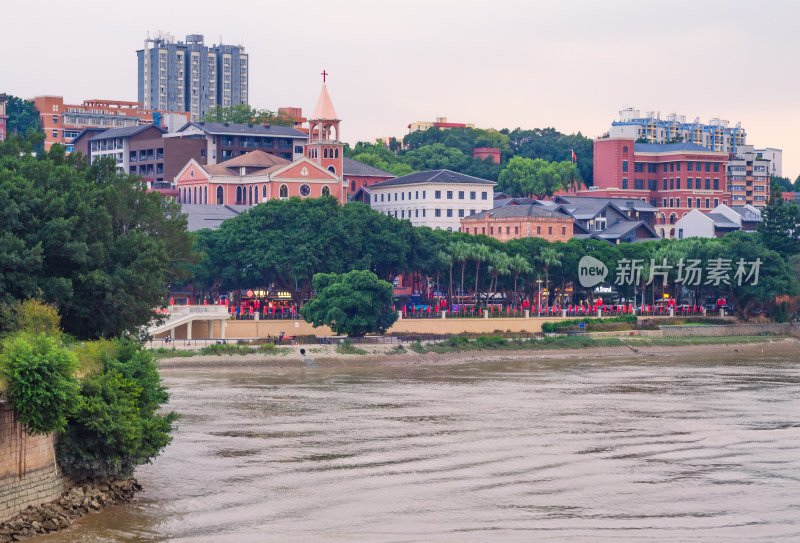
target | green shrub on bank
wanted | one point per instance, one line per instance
(116, 426)
(346, 347)
(40, 381)
(550, 327)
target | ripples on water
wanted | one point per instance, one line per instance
(627, 450)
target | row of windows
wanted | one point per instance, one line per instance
(244, 195)
(673, 184)
(676, 202)
(652, 167)
(145, 155)
(406, 214)
(437, 194)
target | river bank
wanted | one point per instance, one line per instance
(327, 356)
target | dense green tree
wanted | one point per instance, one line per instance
(780, 225)
(553, 146)
(245, 114)
(355, 303)
(23, 117)
(525, 177)
(88, 239)
(783, 184)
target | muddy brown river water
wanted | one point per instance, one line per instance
(662, 449)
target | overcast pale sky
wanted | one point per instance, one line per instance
(498, 64)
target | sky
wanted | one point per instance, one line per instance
(571, 65)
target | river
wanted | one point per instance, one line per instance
(662, 449)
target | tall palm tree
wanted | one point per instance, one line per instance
(480, 253)
(499, 264)
(461, 252)
(519, 265)
(444, 260)
(549, 257)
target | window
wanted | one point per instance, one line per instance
(325, 190)
(638, 167)
(716, 184)
(437, 212)
(716, 202)
(680, 233)
(708, 201)
(484, 195)
(689, 166)
(708, 166)
(697, 202)
(689, 202)
(402, 214)
(666, 167)
(508, 230)
(716, 166)
(625, 182)
(664, 202)
(538, 229)
(550, 230)
(460, 212)
(423, 212)
(672, 166)
(563, 230)
(449, 212)
(671, 184)
(283, 192)
(491, 230)
(624, 165)
(472, 195)
(638, 184)
(423, 194)
(416, 213)
(677, 166)
(461, 195)
(652, 184)
(689, 181)
(671, 202)
(449, 194)
(202, 153)
(677, 202)
(381, 197)
(402, 195)
(516, 230)
(678, 183)
(416, 195)
(665, 184)
(437, 194)
(652, 168)
(409, 195)
(305, 190)
(55, 133)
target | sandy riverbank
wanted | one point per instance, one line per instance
(325, 356)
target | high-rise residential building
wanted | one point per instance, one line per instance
(716, 135)
(3, 116)
(191, 76)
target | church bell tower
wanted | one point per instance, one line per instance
(324, 141)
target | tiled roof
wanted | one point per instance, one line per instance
(255, 159)
(209, 216)
(125, 132)
(721, 221)
(356, 168)
(433, 176)
(518, 211)
(245, 129)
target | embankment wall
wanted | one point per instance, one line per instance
(29, 474)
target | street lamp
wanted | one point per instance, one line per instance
(539, 298)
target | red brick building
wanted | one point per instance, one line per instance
(487, 152)
(63, 122)
(675, 178)
(520, 221)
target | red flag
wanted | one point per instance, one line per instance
(429, 310)
(574, 157)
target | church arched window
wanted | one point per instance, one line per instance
(219, 195)
(238, 195)
(331, 169)
(284, 191)
(336, 153)
(325, 153)
(205, 195)
(326, 191)
(352, 186)
(250, 195)
(195, 195)
(305, 190)
(264, 193)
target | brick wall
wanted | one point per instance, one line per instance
(28, 471)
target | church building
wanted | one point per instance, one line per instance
(257, 176)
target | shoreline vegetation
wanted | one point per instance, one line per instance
(459, 350)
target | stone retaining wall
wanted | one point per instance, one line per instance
(29, 474)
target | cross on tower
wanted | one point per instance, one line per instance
(324, 74)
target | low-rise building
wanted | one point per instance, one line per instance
(441, 122)
(614, 220)
(63, 122)
(438, 199)
(718, 222)
(520, 221)
(359, 175)
(136, 149)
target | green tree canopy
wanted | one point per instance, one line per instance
(23, 117)
(536, 177)
(88, 239)
(354, 303)
(780, 225)
(245, 114)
